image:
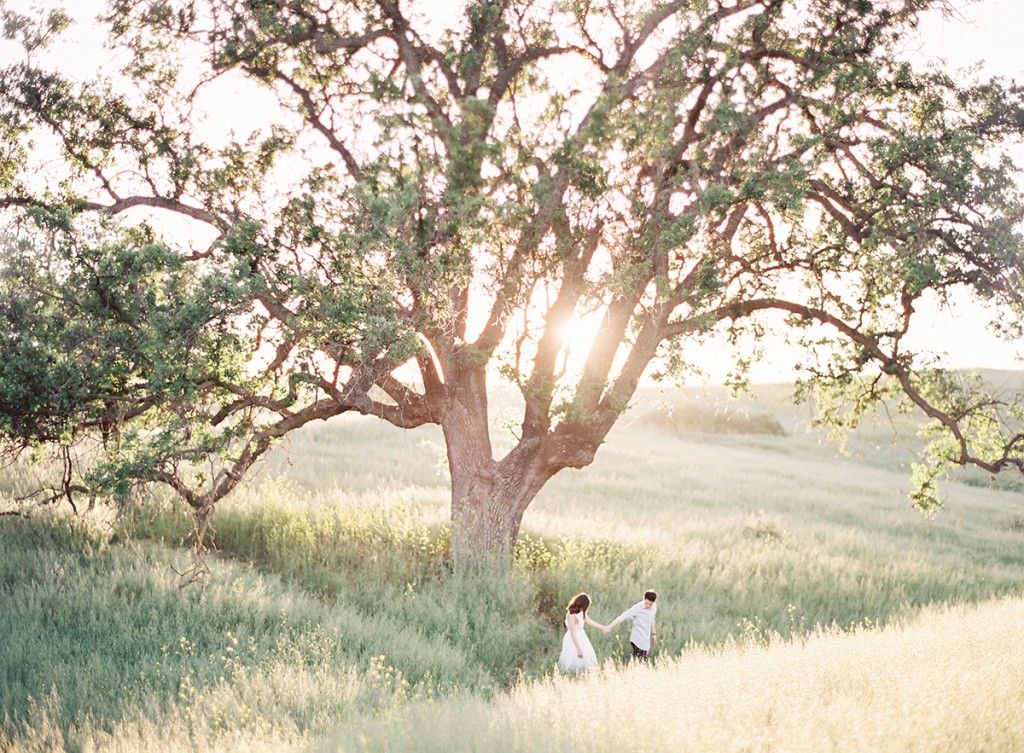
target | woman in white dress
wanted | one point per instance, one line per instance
(577, 653)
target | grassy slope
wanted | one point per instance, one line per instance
(763, 529)
(349, 610)
(952, 681)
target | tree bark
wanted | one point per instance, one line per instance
(488, 505)
(485, 525)
(489, 497)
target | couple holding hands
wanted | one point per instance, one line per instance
(577, 653)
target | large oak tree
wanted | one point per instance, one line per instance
(382, 206)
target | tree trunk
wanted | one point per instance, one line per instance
(488, 497)
(488, 506)
(485, 525)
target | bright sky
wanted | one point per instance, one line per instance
(985, 33)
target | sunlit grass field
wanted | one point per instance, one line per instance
(803, 606)
(949, 681)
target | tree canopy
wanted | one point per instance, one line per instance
(264, 213)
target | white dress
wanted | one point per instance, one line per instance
(569, 660)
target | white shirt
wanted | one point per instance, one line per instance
(643, 620)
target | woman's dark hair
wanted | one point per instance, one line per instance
(579, 603)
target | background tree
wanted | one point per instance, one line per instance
(429, 197)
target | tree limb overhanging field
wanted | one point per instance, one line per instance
(430, 196)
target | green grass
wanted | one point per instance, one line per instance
(329, 606)
(101, 635)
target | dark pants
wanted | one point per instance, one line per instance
(638, 653)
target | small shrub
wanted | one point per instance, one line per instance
(765, 528)
(1016, 524)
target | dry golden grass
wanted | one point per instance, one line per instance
(950, 682)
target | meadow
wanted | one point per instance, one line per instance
(803, 606)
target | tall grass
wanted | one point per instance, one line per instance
(330, 600)
(951, 681)
(99, 636)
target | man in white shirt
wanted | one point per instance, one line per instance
(644, 634)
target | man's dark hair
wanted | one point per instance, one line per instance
(651, 595)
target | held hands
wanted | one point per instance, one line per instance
(606, 630)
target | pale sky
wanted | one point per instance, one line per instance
(990, 34)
